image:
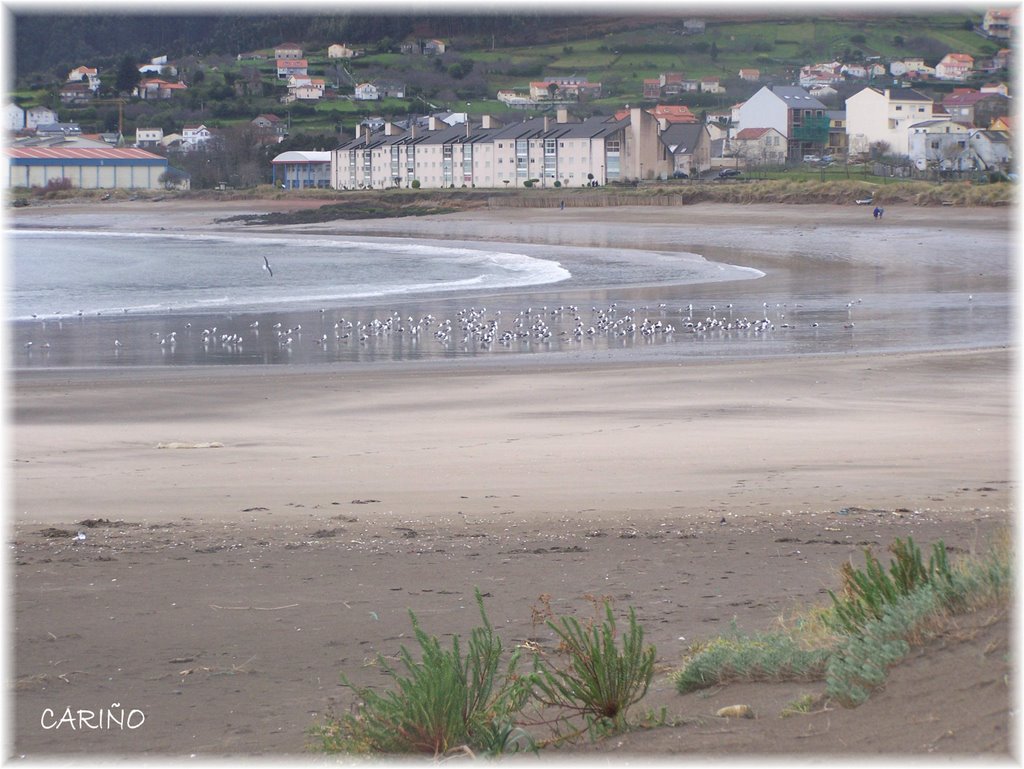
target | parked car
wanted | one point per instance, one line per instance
(729, 173)
(811, 158)
(680, 175)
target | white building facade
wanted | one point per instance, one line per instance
(544, 152)
(884, 116)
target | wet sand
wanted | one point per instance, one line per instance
(254, 530)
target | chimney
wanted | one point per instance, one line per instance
(562, 115)
(663, 124)
(467, 129)
(432, 123)
(359, 130)
(412, 127)
(388, 128)
(486, 121)
(546, 120)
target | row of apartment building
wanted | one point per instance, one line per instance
(783, 123)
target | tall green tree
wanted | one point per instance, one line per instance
(128, 75)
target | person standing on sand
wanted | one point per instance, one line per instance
(877, 212)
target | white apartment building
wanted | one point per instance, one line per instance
(39, 115)
(873, 116)
(540, 150)
(14, 117)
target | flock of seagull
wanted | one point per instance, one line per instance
(474, 328)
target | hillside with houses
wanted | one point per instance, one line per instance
(687, 98)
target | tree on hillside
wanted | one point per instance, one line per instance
(128, 75)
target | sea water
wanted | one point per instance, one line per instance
(56, 273)
(94, 298)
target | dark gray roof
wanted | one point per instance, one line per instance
(682, 138)
(907, 94)
(797, 97)
(996, 136)
(532, 128)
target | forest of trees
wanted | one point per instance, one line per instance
(47, 45)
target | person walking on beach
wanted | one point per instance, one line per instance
(561, 206)
(877, 212)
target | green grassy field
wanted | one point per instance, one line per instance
(620, 60)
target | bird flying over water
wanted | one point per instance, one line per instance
(266, 266)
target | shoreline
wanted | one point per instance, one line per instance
(251, 531)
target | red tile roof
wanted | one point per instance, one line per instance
(80, 153)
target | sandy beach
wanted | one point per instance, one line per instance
(251, 531)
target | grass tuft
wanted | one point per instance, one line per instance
(444, 701)
(600, 681)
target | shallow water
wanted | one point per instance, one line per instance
(161, 300)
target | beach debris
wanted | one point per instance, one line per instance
(735, 711)
(363, 501)
(92, 523)
(80, 536)
(55, 533)
(180, 445)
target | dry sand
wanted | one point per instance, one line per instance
(252, 532)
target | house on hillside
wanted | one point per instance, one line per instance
(14, 117)
(954, 66)
(76, 93)
(975, 107)
(158, 88)
(998, 23)
(874, 115)
(288, 51)
(305, 89)
(195, 136)
(651, 88)
(564, 88)
(750, 75)
(711, 84)
(271, 126)
(820, 74)
(286, 68)
(158, 66)
(340, 51)
(149, 137)
(88, 75)
(902, 67)
(39, 115)
(794, 113)
(760, 146)
(1001, 88)
(366, 92)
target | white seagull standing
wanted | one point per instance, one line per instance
(266, 266)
